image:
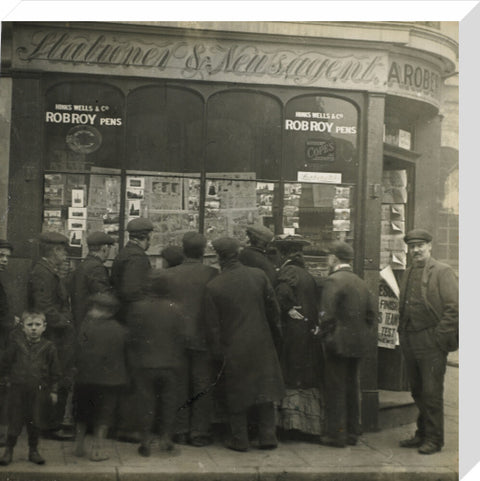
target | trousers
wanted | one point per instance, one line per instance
(426, 365)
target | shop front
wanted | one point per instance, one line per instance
(214, 132)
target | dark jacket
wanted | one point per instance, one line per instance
(439, 289)
(102, 352)
(32, 364)
(47, 293)
(300, 354)
(188, 283)
(255, 257)
(6, 318)
(241, 312)
(348, 314)
(90, 277)
(157, 333)
(130, 271)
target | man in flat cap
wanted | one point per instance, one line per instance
(241, 313)
(348, 319)
(255, 255)
(47, 293)
(131, 267)
(428, 330)
(6, 325)
(172, 256)
(188, 285)
(91, 276)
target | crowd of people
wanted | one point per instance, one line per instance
(161, 356)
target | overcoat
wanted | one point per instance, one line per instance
(347, 314)
(130, 271)
(439, 289)
(300, 354)
(90, 277)
(241, 312)
(47, 293)
(6, 318)
(187, 288)
(255, 257)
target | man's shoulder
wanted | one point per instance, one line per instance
(437, 265)
(42, 269)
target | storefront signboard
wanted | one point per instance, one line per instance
(320, 177)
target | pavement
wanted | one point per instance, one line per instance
(376, 457)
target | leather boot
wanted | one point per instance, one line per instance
(34, 456)
(6, 459)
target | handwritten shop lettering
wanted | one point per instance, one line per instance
(202, 59)
(319, 125)
(81, 115)
(412, 77)
(389, 317)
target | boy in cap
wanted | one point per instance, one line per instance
(255, 255)
(31, 364)
(156, 350)
(172, 256)
(347, 327)
(241, 313)
(428, 330)
(91, 276)
(101, 372)
(188, 285)
(47, 293)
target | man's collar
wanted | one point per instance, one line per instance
(342, 266)
(49, 264)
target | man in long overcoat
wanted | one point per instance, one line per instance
(91, 276)
(428, 330)
(242, 312)
(189, 281)
(255, 255)
(347, 319)
(132, 266)
(47, 293)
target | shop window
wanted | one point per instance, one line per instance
(84, 126)
(244, 134)
(164, 129)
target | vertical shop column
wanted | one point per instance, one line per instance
(371, 236)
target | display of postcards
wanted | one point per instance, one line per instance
(393, 242)
(342, 214)
(54, 179)
(291, 222)
(397, 211)
(341, 203)
(265, 210)
(77, 212)
(292, 189)
(53, 224)
(133, 208)
(265, 199)
(111, 229)
(265, 187)
(290, 211)
(135, 193)
(399, 260)
(394, 195)
(191, 191)
(216, 224)
(75, 238)
(239, 220)
(53, 195)
(78, 198)
(112, 189)
(398, 226)
(386, 212)
(47, 214)
(212, 204)
(341, 225)
(135, 182)
(164, 193)
(289, 230)
(111, 218)
(77, 224)
(342, 192)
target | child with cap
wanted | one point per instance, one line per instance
(31, 363)
(101, 372)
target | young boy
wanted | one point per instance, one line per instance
(32, 366)
(101, 373)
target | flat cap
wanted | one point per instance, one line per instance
(4, 244)
(98, 238)
(52, 238)
(105, 299)
(193, 239)
(140, 224)
(173, 255)
(418, 235)
(342, 250)
(260, 232)
(290, 239)
(226, 246)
